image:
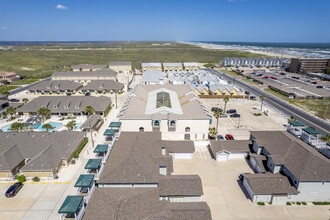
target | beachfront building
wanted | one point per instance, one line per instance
(55, 86)
(4, 103)
(66, 105)
(296, 171)
(153, 77)
(139, 178)
(172, 67)
(252, 62)
(151, 66)
(174, 110)
(191, 66)
(85, 77)
(103, 87)
(87, 67)
(37, 153)
(121, 67)
(8, 76)
(309, 65)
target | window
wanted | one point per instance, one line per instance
(76, 106)
(55, 106)
(172, 124)
(156, 124)
(323, 183)
(66, 106)
(187, 129)
(163, 100)
(141, 129)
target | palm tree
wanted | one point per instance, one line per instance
(217, 114)
(225, 99)
(213, 132)
(25, 100)
(89, 110)
(262, 98)
(47, 126)
(70, 125)
(10, 111)
(17, 126)
(292, 118)
(44, 112)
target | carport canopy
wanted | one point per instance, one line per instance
(115, 124)
(93, 164)
(310, 131)
(71, 204)
(101, 148)
(109, 132)
(84, 180)
(296, 124)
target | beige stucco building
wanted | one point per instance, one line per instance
(151, 66)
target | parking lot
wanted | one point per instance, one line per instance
(225, 197)
(240, 127)
(301, 85)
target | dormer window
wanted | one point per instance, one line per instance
(56, 87)
(76, 106)
(156, 123)
(55, 106)
(66, 106)
(48, 87)
(172, 124)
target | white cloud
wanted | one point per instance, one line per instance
(4, 28)
(62, 7)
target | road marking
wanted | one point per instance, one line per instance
(58, 183)
(44, 183)
(1, 183)
(67, 183)
(33, 183)
(10, 183)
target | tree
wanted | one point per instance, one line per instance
(89, 110)
(17, 126)
(262, 98)
(217, 114)
(25, 100)
(70, 125)
(44, 112)
(325, 138)
(7, 93)
(10, 111)
(292, 118)
(213, 132)
(225, 99)
(47, 126)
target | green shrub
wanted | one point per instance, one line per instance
(261, 203)
(288, 203)
(50, 93)
(321, 203)
(304, 203)
(73, 162)
(298, 203)
(293, 203)
(257, 114)
(21, 178)
(35, 179)
(81, 147)
(107, 111)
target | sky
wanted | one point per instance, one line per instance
(166, 20)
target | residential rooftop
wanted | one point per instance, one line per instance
(97, 73)
(55, 85)
(89, 66)
(101, 85)
(120, 63)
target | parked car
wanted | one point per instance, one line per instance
(253, 98)
(211, 137)
(14, 100)
(68, 94)
(313, 83)
(220, 137)
(283, 74)
(13, 190)
(319, 87)
(223, 115)
(265, 77)
(231, 111)
(274, 78)
(229, 137)
(214, 109)
(235, 115)
(247, 93)
(87, 94)
(260, 74)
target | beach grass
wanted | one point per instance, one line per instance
(7, 88)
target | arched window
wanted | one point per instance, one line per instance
(187, 129)
(141, 129)
(156, 124)
(172, 123)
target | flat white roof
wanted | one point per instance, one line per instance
(151, 64)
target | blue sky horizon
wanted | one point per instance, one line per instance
(265, 21)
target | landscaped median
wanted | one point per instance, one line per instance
(81, 147)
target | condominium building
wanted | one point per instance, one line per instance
(121, 67)
(151, 66)
(254, 62)
(309, 65)
(172, 67)
(87, 67)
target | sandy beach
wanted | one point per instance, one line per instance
(224, 47)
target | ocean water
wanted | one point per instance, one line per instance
(314, 50)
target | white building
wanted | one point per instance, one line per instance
(153, 77)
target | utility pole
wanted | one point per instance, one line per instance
(91, 131)
(116, 98)
(326, 109)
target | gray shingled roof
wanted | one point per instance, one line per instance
(152, 76)
(55, 85)
(98, 73)
(230, 146)
(101, 85)
(180, 185)
(303, 161)
(91, 121)
(268, 184)
(44, 149)
(89, 66)
(66, 104)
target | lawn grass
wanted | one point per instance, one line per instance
(231, 73)
(43, 63)
(315, 106)
(26, 81)
(251, 82)
(7, 88)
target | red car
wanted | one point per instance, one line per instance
(265, 77)
(282, 74)
(229, 137)
(274, 78)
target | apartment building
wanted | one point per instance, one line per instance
(309, 65)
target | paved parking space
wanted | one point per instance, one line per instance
(223, 193)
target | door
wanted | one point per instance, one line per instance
(187, 136)
(279, 200)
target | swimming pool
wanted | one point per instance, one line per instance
(55, 125)
(6, 128)
(77, 128)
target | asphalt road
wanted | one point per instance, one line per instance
(307, 119)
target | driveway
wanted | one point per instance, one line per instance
(225, 197)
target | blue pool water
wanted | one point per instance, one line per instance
(77, 128)
(54, 124)
(6, 128)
